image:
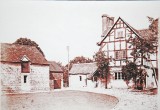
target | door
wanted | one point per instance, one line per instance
(57, 84)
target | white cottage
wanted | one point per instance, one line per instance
(114, 42)
(83, 75)
(23, 68)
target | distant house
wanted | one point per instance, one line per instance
(83, 75)
(114, 41)
(56, 75)
(23, 68)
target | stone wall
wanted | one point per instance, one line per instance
(39, 78)
(11, 77)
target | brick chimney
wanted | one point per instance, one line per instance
(107, 23)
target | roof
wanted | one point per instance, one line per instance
(54, 67)
(83, 68)
(15, 52)
(145, 33)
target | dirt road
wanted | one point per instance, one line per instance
(58, 100)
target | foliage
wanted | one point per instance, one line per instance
(130, 71)
(65, 73)
(142, 48)
(103, 64)
(146, 45)
(26, 41)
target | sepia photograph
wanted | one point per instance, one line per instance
(79, 55)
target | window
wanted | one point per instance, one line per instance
(119, 76)
(25, 67)
(115, 76)
(25, 78)
(120, 54)
(117, 55)
(123, 54)
(80, 78)
(120, 34)
(95, 78)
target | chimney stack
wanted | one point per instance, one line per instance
(107, 23)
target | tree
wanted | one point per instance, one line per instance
(143, 47)
(103, 65)
(26, 41)
(65, 73)
(79, 59)
(131, 71)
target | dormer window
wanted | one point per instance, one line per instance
(25, 67)
(25, 64)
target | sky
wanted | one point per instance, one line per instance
(54, 25)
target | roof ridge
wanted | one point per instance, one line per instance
(17, 44)
(84, 63)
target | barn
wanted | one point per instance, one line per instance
(56, 75)
(23, 69)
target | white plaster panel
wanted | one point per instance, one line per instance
(107, 39)
(111, 53)
(117, 45)
(111, 38)
(111, 46)
(153, 56)
(123, 45)
(129, 53)
(117, 63)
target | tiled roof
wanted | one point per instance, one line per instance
(54, 67)
(83, 68)
(15, 52)
(145, 33)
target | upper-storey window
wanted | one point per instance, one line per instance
(120, 54)
(119, 33)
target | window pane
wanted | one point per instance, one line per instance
(25, 78)
(124, 54)
(80, 78)
(115, 76)
(119, 75)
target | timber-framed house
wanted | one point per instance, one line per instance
(114, 42)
